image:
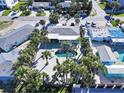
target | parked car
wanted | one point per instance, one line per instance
(14, 17)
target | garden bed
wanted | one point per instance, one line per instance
(41, 14)
(6, 12)
(19, 4)
(119, 15)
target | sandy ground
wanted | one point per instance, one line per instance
(16, 24)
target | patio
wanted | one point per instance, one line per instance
(53, 61)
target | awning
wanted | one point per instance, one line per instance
(115, 69)
(118, 40)
(60, 37)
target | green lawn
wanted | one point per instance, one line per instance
(5, 24)
(114, 23)
(17, 6)
(102, 5)
(6, 12)
(104, 70)
(41, 14)
(119, 15)
(63, 90)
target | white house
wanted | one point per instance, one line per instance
(112, 34)
(115, 71)
(7, 3)
(99, 34)
(106, 55)
(120, 1)
(61, 33)
(66, 4)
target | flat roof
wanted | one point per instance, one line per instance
(120, 40)
(116, 32)
(63, 32)
(106, 53)
(41, 4)
(99, 32)
(115, 69)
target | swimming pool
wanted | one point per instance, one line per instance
(61, 53)
(121, 55)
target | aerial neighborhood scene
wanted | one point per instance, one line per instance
(61, 46)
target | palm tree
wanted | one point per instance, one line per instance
(69, 68)
(46, 55)
(92, 63)
(28, 80)
(114, 5)
(66, 46)
(44, 39)
(53, 18)
(62, 71)
(77, 20)
(82, 32)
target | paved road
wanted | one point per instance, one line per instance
(99, 11)
(25, 18)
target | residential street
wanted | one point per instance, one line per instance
(25, 18)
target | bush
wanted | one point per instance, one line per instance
(77, 15)
(40, 11)
(23, 8)
(6, 12)
(115, 22)
(77, 20)
(37, 24)
(42, 22)
(41, 14)
(104, 70)
(26, 13)
(54, 18)
(72, 24)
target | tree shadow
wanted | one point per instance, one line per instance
(107, 17)
(44, 67)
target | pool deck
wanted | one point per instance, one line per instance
(52, 61)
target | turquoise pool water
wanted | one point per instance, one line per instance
(121, 55)
(61, 53)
